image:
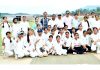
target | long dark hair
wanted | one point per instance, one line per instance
(28, 40)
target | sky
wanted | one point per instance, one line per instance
(39, 6)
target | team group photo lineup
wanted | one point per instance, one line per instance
(56, 35)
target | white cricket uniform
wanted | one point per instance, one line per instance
(62, 37)
(84, 25)
(95, 37)
(97, 24)
(50, 45)
(59, 23)
(9, 47)
(30, 46)
(40, 44)
(20, 48)
(52, 23)
(80, 33)
(91, 22)
(75, 23)
(58, 48)
(68, 41)
(85, 40)
(68, 21)
(15, 30)
(46, 36)
(24, 26)
(5, 29)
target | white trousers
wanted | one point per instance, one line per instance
(96, 47)
(60, 51)
(9, 52)
(39, 52)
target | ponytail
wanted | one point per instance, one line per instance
(28, 40)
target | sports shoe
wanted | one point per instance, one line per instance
(74, 53)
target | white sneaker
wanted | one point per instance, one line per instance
(74, 53)
(84, 52)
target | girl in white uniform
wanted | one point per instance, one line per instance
(55, 29)
(49, 28)
(50, 45)
(95, 39)
(40, 44)
(53, 33)
(8, 44)
(46, 34)
(5, 27)
(58, 46)
(80, 31)
(29, 43)
(73, 32)
(76, 45)
(85, 23)
(15, 28)
(61, 34)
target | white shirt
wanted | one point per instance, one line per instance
(68, 41)
(52, 23)
(8, 45)
(5, 29)
(32, 39)
(75, 23)
(41, 41)
(95, 37)
(85, 40)
(15, 29)
(59, 23)
(46, 36)
(62, 37)
(24, 26)
(76, 43)
(58, 46)
(97, 24)
(91, 22)
(68, 21)
(80, 33)
(19, 44)
(84, 25)
(49, 44)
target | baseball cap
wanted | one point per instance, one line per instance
(39, 30)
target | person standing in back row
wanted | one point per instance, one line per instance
(24, 25)
(67, 20)
(5, 27)
(44, 20)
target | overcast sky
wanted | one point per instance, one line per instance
(39, 6)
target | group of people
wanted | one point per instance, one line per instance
(60, 35)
